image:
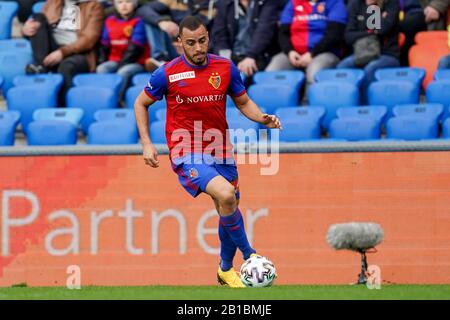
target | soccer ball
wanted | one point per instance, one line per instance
(257, 271)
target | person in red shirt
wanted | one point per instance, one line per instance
(124, 46)
(195, 86)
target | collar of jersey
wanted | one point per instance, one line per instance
(193, 66)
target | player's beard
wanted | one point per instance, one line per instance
(197, 59)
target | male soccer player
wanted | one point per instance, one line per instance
(195, 86)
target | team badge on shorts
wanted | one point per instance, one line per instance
(214, 80)
(193, 173)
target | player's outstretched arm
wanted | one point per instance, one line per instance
(141, 112)
(251, 111)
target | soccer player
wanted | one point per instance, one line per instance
(196, 85)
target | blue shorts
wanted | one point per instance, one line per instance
(196, 171)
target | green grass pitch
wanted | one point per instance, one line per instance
(290, 292)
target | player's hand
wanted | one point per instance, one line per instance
(295, 58)
(30, 27)
(271, 121)
(431, 14)
(53, 58)
(169, 27)
(151, 156)
(248, 66)
(305, 60)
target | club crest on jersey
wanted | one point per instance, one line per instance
(127, 31)
(193, 173)
(214, 80)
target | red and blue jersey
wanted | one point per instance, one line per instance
(117, 33)
(308, 20)
(196, 102)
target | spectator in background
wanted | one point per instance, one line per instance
(310, 36)
(359, 34)
(162, 18)
(63, 38)
(124, 47)
(245, 31)
(25, 8)
(419, 15)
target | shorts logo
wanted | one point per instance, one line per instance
(180, 76)
(193, 173)
(320, 8)
(214, 80)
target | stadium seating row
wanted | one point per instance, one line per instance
(52, 126)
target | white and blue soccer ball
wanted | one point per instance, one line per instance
(257, 271)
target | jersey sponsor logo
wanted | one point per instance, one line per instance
(179, 99)
(180, 76)
(310, 17)
(215, 80)
(206, 98)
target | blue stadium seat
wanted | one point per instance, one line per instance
(439, 92)
(141, 79)
(442, 74)
(426, 110)
(8, 124)
(72, 115)
(160, 114)
(298, 129)
(1, 82)
(20, 44)
(351, 75)
(273, 96)
(230, 102)
(37, 7)
(115, 114)
(104, 80)
(411, 128)
(158, 132)
(235, 115)
(355, 129)
(131, 94)
(446, 129)
(390, 93)
(414, 75)
(332, 95)
(113, 132)
(242, 130)
(310, 113)
(49, 80)
(27, 99)
(12, 64)
(91, 99)
(51, 132)
(372, 112)
(8, 10)
(293, 78)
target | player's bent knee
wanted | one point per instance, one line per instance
(227, 198)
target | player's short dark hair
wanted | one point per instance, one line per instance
(191, 23)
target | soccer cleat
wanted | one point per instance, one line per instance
(229, 278)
